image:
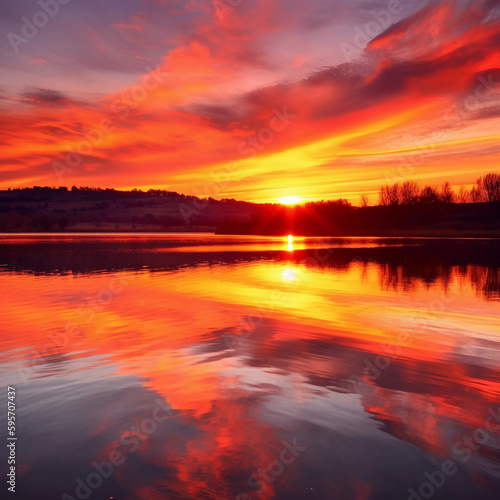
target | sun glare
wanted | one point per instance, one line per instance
(289, 274)
(289, 200)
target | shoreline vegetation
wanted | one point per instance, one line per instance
(403, 210)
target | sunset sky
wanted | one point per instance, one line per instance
(249, 99)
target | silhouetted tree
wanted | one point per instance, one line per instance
(389, 195)
(491, 187)
(428, 195)
(409, 193)
(447, 195)
(463, 195)
(476, 194)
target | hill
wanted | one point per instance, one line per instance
(95, 209)
(45, 209)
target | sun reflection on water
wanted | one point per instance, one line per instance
(289, 274)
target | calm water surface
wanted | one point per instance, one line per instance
(206, 367)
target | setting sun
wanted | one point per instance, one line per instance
(289, 200)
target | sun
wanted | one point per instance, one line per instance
(289, 200)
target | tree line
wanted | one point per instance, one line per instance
(485, 190)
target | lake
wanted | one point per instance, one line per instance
(195, 366)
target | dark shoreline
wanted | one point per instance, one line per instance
(109, 211)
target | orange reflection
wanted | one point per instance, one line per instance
(169, 329)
